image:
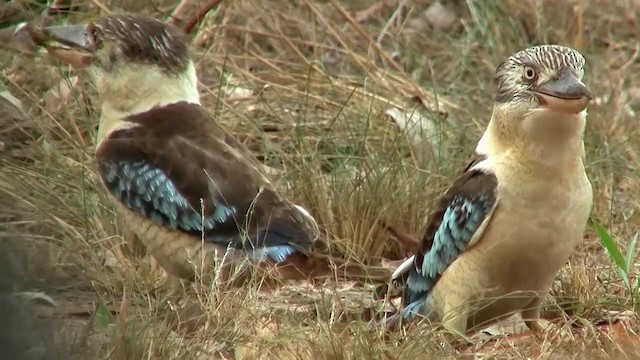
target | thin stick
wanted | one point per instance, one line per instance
(177, 15)
(409, 243)
(193, 21)
(371, 11)
(393, 19)
(101, 6)
(365, 35)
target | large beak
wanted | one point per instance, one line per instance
(566, 94)
(69, 43)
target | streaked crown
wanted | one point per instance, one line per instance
(533, 66)
(142, 40)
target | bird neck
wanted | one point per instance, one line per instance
(553, 142)
(140, 91)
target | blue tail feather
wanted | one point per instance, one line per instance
(277, 253)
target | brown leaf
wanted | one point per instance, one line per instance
(58, 96)
(18, 38)
(420, 131)
(370, 12)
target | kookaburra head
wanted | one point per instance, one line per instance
(133, 60)
(540, 99)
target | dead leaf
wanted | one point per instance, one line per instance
(109, 259)
(613, 316)
(18, 38)
(268, 328)
(509, 326)
(58, 96)
(14, 101)
(370, 12)
(237, 92)
(440, 16)
(271, 171)
(420, 131)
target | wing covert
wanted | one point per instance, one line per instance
(146, 189)
(456, 224)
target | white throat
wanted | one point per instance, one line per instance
(139, 89)
(541, 147)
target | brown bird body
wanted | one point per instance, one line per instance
(499, 235)
(190, 191)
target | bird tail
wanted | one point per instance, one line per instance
(390, 322)
(315, 265)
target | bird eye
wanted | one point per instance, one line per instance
(94, 36)
(530, 74)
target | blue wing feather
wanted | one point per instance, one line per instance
(277, 253)
(460, 221)
(148, 191)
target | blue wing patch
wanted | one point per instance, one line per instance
(460, 221)
(148, 191)
(277, 253)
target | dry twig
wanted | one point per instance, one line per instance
(199, 15)
(408, 243)
(365, 35)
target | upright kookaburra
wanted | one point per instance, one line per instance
(188, 188)
(499, 235)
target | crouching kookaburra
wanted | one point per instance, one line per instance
(501, 232)
(189, 190)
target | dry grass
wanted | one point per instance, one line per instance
(307, 89)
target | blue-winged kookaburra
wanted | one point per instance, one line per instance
(501, 232)
(188, 188)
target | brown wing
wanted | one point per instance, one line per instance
(427, 239)
(181, 169)
(426, 243)
(456, 222)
